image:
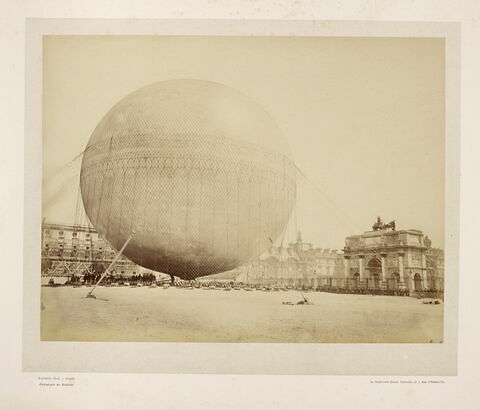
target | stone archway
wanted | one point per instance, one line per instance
(417, 282)
(393, 281)
(374, 268)
(356, 280)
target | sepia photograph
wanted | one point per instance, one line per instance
(243, 189)
(240, 205)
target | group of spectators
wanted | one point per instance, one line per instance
(148, 279)
(366, 291)
(428, 293)
(110, 279)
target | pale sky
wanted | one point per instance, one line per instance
(364, 117)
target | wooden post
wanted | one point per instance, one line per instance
(89, 294)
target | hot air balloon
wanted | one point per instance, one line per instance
(198, 171)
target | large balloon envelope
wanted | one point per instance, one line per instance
(200, 173)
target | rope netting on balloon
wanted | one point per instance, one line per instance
(193, 215)
(170, 201)
(193, 175)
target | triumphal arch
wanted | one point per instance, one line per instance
(386, 258)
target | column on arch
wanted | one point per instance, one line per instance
(346, 266)
(424, 271)
(412, 274)
(384, 267)
(361, 267)
(401, 270)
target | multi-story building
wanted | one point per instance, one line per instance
(435, 266)
(75, 250)
(379, 259)
(300, 264)
(319, 262)
(382, 258)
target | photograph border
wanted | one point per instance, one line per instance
(238, 358)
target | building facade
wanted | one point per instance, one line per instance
(385, 258)
(299, 264)
(75, 250)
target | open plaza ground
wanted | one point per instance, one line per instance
(201, 315)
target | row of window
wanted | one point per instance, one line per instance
(74, 240)
(62, 233)
(74, 247)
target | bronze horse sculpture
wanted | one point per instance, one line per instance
(380, 226)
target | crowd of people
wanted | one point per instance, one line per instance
(149, 279)
(367, 291)
(427, 293)
(110, 279)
